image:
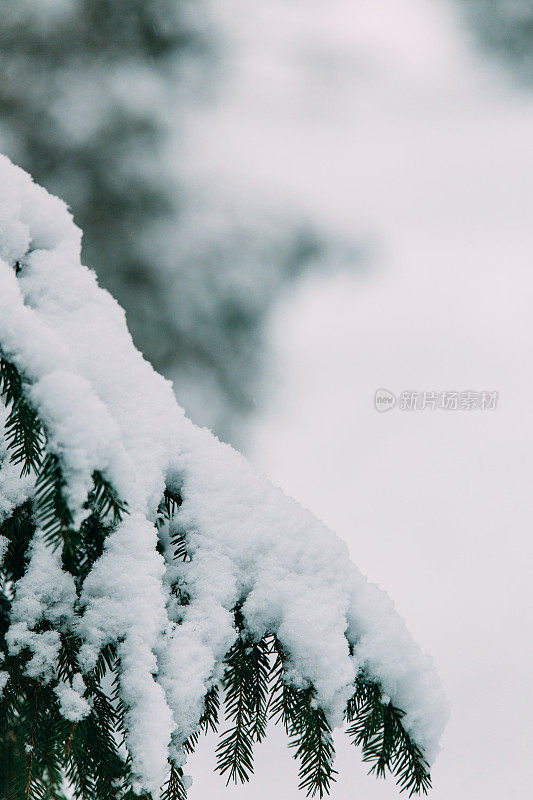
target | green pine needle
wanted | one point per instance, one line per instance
(105, 500)
(174, 788)
(377, 727)
(307, 727)
(235, 750)
(52, 513)
(24, 433)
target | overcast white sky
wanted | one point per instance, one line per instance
(377, 118)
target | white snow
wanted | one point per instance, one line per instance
(71, 701)
(45, 593)
(124, 601)
(71, 704)
(105, 408)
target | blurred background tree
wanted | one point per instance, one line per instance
(504, 28)
(91, 95)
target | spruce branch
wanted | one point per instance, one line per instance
(52, 513)
(174, 788)
(247, 688)
(49, 748)
(93, 763)
(105, 500)
(377, 727)
(313, 744)
(35, 726)
(307, 727)
(24, 433)
(18, 529)
(235, 750)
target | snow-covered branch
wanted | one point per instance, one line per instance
(104, 411)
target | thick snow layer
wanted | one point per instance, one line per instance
(105, 408)
(124, 601)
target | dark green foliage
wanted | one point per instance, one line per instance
(32, 722)
(94, 766)
(24, 436)
(174, 788)
(307, 727)
(18, 529)
(105, 500)
(246, 685)
(39, 748)
(51, 510)
(312, 741)
(377, 728)
(256, 688)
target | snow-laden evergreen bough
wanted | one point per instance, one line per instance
(149, 576)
